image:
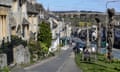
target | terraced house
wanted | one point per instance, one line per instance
(19, 14)
(20, 18)
(5, 6)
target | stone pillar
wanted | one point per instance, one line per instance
(5, 27)
(3, 60)
(8, 28)
(0, 28)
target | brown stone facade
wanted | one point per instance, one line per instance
(4, 23)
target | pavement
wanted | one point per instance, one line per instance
(64, 62)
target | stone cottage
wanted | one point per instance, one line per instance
(5, 6)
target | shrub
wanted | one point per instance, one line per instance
(37, 48)
(17, 41)
(5, 69)
(44, 48)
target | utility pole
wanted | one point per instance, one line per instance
(110, 32)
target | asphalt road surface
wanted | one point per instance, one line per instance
(62, 63)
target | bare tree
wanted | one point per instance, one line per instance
(110, 33)
(98, 33)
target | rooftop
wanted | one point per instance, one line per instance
(5, 2)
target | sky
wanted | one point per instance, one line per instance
(88, 5)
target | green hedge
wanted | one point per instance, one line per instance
(5, 69)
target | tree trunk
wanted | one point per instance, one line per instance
(110, 33)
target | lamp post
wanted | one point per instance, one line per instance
(110, 2)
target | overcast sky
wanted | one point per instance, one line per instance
(94, 5)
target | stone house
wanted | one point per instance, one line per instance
(56, 25)
(25, 17)
(33, 19)
(20, 25)
(20, 18)
(5, 6)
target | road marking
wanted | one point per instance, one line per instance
(60, 68)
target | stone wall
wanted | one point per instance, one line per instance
(3, 60)
(21, 55)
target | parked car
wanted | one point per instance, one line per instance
(93, 47)
(79, 47)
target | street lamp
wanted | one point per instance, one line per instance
(110, 2)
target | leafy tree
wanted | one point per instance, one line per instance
(39, 49)
(45, 35)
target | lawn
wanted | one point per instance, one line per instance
(101, 65)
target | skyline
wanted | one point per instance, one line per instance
(78, 5)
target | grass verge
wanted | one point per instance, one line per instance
(101, 65)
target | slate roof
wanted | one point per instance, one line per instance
(39, 7)
(32, 35)
(6, 3)
(54, 25)
(57, 18)
(25, 22)
(31, 8)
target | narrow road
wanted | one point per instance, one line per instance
(62, 63)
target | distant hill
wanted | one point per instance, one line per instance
(76, 11)
(64, 11)
(90, 11)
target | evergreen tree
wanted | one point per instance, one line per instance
(44, 34)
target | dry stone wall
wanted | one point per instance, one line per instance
(21, 55)
(3, 60)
